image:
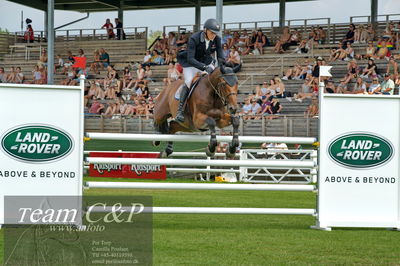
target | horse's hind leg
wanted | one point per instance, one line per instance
(160, 128)
(172, 128)
(210, 150)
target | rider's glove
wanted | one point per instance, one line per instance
(208, 69)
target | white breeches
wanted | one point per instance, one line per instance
(190, 72)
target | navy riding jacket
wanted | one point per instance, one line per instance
(196, 55)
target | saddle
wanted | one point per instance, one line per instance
(195, 82)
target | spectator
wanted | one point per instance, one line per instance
(321, 35)
(360, 34)
(43, 59)
(271, 90)
(265, 105)
(250, 45)
(243, 41)
(120, 29)
(11, 76)
(148, 75)
(330, 87)
(261, 42)
(349, 36)
(29, 35)
(384, 48)
(374, 87)
(360, 87)
(111, 110)
(81, 53)
(387, 86)
(171, 41)
(280, 89)
(166, 56)
(305, 91)
(59, 63)
(227, 38)
(235, 39)
(353, 70)
(111, 91)
(392, 67)
(36, 75)
(3, 76)
(370, 33)
(370, 70)
(342, 87)
(126, 78)
(294, 73)
(96, 107)
(246, 108)
(70, 77)
(370, 50)
(19, 76)
(104, 58)
(313, 109)
(315, 68)
(94, 67)
(142, 91)
(70, 61)
(111, 77)
(275, 107)
(349, 53)
(109, 28)
(303, 47)
(43, 75)
(140, 72)
(90, 93)
(337, 53)
(225, 51)
(172, 74)
(234, 57)
(283, 39)
(147, 57)
(182, 41)
(156, 59)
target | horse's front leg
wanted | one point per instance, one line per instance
(210, 150)
(235, 139)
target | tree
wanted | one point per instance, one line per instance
(152, 36)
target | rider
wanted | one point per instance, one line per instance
(198, 58)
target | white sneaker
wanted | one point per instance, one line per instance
(298, 100)
(296, 50)
(289, 99)
(284, 78)
(299, 52)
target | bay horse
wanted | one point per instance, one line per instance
(213, 103)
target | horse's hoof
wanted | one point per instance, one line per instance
(156, 143)
(230, 155)
(210, 153)
(163, 154)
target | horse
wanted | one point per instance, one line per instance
(213, 103)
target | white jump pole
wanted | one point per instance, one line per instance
(208, 210)
(174, 154)
(192, 162)
(198, 138)
(199, 186)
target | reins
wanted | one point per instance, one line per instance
(218, 91)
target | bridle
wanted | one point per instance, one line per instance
(218, 91)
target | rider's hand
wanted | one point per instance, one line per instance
(208, 69)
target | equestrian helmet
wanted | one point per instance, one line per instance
(212, 25)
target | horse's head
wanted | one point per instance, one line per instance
(227, 87)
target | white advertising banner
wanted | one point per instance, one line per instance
(41, 136)
(358, 182)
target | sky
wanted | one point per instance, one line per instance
(337, 10)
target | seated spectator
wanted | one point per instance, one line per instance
(313, 109)
(172, 74)
(392, 67)
(280, 89)
(182, 41)
(90, 93)
(246, 108)
(337, 53)
(19, 76)
(360, 34)
(250, 44)
(275, 107)
(342, 88)
(140, 72)
(370, 50)
(59, 63)
(384, 48)
(43, 59)
(81, 53)
(111, 77)
(313, 36)
(321, 35)
(235, 39)
(261, 42)
(349, 36)
(109, 28)
(94, 67)
(303, 47)
(234, 57)
(360, 87)
(294, 73)
(172, 41)
(315, 68)
(148, 75)
(11, 76)
(166, 56)
(43, 76)
(306, 90)
(283, 39)
(156, 59)
(227, 38)
(147, 57)
(111, 110)
(353, 70)
(3, 76)
(265, 105)
(271, 90)
(225, 51)
(126, 78)
(370, 70)
(36, 76)
(374, 87)
(142, 91)
(96, 107)
(104, 58)
(330, 87)
(241, 44)
(387, 86)
(70, 77)
(349, 53)
(111, 91)
(370, 33)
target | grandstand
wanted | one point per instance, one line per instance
(292, 121)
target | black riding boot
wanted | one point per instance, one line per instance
(180, 114)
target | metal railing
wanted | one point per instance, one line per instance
(84, 34)
(386, 18)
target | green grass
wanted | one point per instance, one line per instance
(251, 239)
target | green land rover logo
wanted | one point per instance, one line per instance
(360, 150)
(36, 143)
